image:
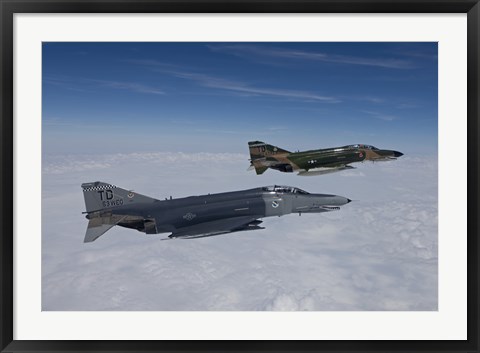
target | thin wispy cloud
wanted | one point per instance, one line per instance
(369, 99)
(56, 122)
(63, 82)
(277, 128)
(407, 106)
(77, 124)
(418, 54)
(244, 88)
(82, 84)
(129, 86)
(217, 131)
(380, 116)
(238, 87)
(373, 99)
(261, 51)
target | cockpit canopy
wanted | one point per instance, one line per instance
(368, 147)
(284, 189)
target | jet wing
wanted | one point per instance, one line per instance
(208, 229)
(326, 170)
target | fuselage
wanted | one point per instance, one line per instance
(319, 161)
(331, 157)
(174, 214)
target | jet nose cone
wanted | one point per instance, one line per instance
(397, 154)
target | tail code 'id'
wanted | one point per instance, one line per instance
(99, 195)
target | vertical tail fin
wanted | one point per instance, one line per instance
(99, 195)
(259, 149)
(259, 152)
(101, 199)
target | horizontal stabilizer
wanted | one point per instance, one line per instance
(260, 170)
(262, 164)
(96, 227)
(94, 232)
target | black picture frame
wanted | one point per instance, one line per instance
(10, 7)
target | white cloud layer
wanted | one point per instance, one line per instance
(377, 253)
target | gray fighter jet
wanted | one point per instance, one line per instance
(196, 216)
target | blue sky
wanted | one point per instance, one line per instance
(214, 97)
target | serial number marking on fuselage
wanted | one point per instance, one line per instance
(118, 202)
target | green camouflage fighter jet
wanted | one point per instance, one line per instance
(314, 162)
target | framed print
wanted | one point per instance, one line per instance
(149, 150)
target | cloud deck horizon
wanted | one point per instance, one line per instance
(380, 252)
